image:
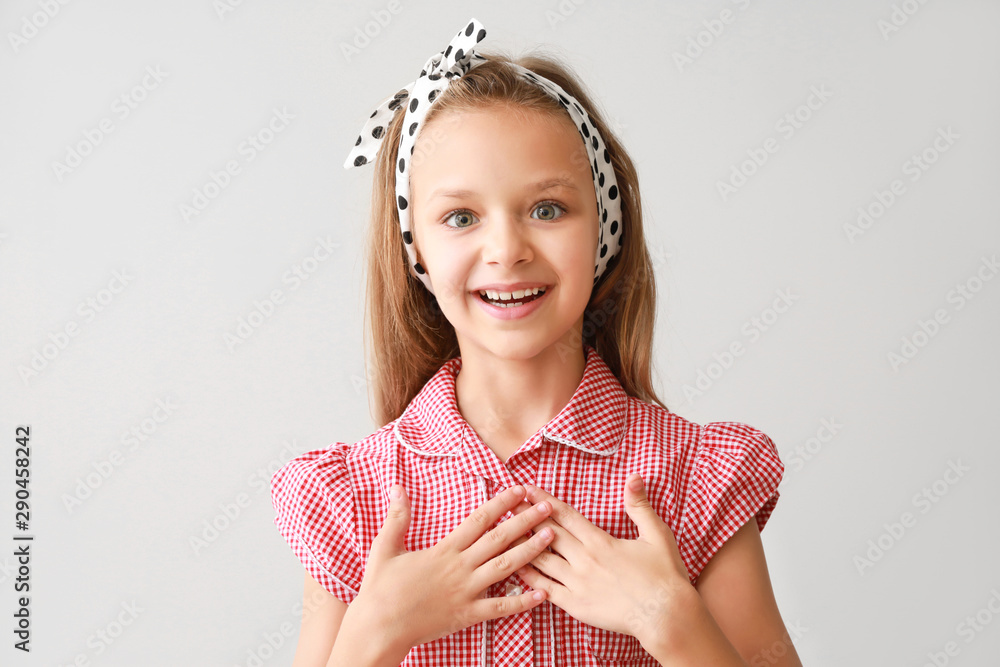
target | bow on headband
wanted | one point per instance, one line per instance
(438, 72)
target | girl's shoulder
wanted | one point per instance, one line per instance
(331, 474)
(728, 473)
(718, 439)
(339, 457)
(315, 498)
(313, 502)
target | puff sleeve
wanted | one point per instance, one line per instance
(735, 472)
(314, 511)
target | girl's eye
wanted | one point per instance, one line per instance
(464, 218)
(549, 205)
(460, 215)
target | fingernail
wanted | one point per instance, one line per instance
(517, 491)
(538, 595)
(542, 507)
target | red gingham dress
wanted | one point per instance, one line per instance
(704, 481)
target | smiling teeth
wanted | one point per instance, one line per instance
(506, 296)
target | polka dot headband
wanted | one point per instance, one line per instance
(438, 72)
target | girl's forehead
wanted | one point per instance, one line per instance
(539, 135)
(508, 115)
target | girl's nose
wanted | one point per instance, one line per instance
(507, 241)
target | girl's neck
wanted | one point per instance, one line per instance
(506, 401)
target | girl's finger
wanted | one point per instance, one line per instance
(565, 542)
(528, 533)
(554, 590)
(488, 608)
(506, 563)
(552, 565)
(523, 506)
(565, 515)
(483, 518)
(498, 539)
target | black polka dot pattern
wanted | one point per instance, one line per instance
(416, 100)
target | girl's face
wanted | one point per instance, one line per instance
(501, 202)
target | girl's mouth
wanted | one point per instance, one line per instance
(511, 299)
(513, 305)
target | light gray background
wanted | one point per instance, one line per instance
(297, 383)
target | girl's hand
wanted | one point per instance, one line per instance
(410, 598)
(626, 586)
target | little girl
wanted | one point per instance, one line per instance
(528, 499)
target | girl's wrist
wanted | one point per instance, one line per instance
(365, 638)
(686, 633)
(662, 618)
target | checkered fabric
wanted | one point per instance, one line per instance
(705, 482)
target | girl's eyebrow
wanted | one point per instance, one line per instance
(539, 186)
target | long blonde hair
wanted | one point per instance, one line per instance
(410, 336)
